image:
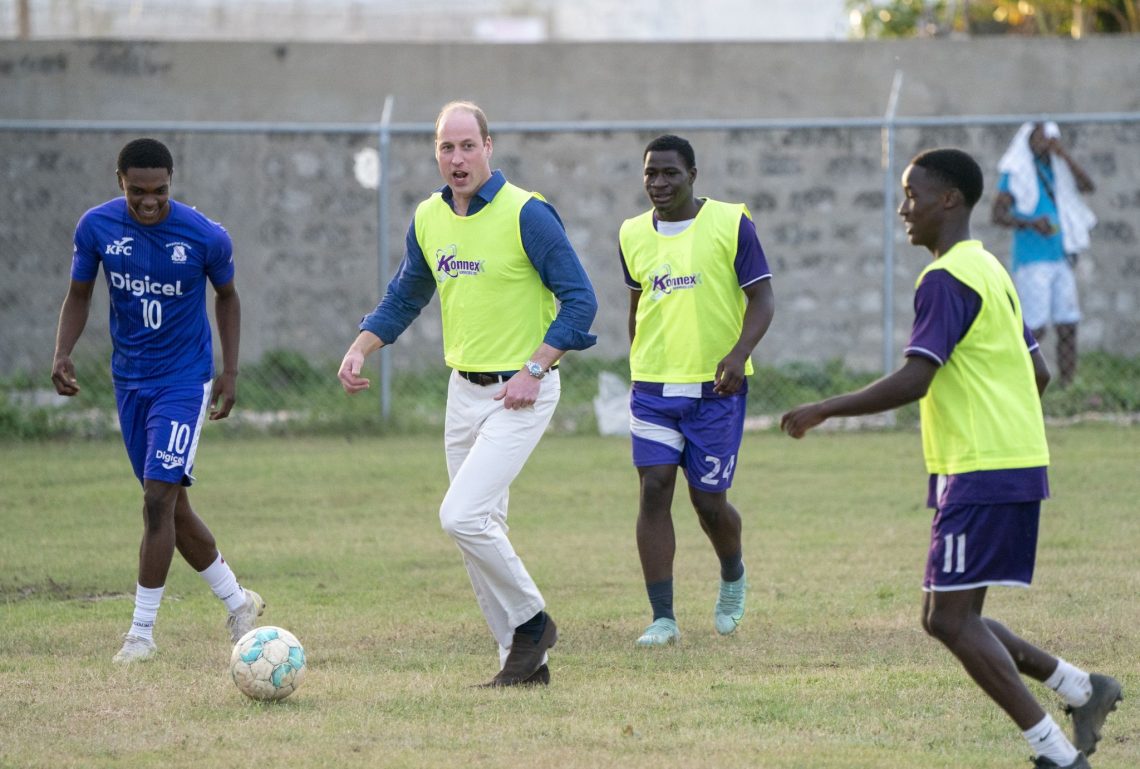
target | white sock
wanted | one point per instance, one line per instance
(220, 577)
(147, 600)
(1049, 741)
(1071, 683)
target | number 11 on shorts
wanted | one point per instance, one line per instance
(954, 553)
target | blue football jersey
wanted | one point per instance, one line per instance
(156, 275)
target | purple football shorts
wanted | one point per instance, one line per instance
(982, 545)
(160, 428)
(702, 435)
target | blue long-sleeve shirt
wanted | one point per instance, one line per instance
(546, 245)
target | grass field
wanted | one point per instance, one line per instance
(830, 669)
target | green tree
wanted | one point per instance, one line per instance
(932, 18)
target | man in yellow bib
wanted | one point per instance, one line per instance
(977, 373)
(499, 258)
(700, 301)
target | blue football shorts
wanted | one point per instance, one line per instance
(975, 546)
(702, 435)
(160, 427)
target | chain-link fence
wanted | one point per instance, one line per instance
(318, 215)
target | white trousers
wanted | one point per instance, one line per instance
(487, 446)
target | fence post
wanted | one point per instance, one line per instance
(385, 140)
(888, 163)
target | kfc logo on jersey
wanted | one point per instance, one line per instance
(449, 265)
(120, 247)
(178, 254)
(663, 282)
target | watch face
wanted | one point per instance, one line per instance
(534, 369)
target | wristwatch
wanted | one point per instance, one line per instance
(535, 369)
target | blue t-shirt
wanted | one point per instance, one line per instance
(156, 275)
(944, 310)
(1029, 245)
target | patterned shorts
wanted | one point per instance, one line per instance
(1048, 294)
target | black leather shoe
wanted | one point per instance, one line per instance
(524, 666)
(540, 677)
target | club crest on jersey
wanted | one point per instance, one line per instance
(178, 252)
(120, 247)
(664, 282)
(449, 265)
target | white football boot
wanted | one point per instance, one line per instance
(241, 621)
(135, 649)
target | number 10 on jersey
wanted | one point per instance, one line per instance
(151, 313)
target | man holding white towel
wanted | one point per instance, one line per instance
(1039, 196)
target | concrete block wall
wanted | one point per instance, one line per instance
(306, 230)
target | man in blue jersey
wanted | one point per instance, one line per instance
(499, 258)
(1039, 197)
(700, 302)
(157, 257)
(977, 373)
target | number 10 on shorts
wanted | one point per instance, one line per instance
(179, 437)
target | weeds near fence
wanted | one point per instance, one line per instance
(286, 393)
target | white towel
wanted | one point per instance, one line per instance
(1076, 219)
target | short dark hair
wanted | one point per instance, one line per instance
(145, 153)
(956, 168)
(669, 142)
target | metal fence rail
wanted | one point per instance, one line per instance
(822, 192)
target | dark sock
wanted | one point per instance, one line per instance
(534, 626)
(661, 598)
(732, 568)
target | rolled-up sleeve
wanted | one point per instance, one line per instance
(407, 294)
(548, 248)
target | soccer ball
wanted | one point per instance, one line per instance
(268, 663)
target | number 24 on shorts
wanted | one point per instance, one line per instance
(711, 476)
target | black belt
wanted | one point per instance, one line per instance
(484, 378)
